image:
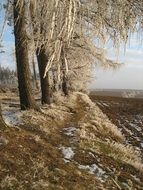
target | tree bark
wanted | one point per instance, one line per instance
(34, 74)
(64, 79)
(42, 59)
(23, 71)
(64, 84)
(2, 123)
(45, 83)
(54, 89)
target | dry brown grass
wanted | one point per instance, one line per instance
(10, 182)
(33, 160)
(100, 135)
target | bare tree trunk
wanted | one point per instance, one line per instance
(23, 71)
(64, 81)
(54, 82)
(45, 83)
(42, 59)
(64, 84)
(2, 123)
(34, 73)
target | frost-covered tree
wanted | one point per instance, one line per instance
(64, 33)
(70, 27)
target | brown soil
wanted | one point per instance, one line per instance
(127, 114)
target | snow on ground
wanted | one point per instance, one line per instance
(94, 169)
(70, 131)
(68, 155)
(67, 152)
(12, 116)
(135, 126)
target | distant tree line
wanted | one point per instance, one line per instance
(7, 76)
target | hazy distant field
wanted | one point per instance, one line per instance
(118, 93)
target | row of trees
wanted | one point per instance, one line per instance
(62, 35)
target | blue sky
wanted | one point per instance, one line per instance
(7, 58)
(128, 76)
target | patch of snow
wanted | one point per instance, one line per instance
(67, 152)
(104, 104)
(12, 117)
(128, 131)
(135, 126)
(66, 161)
(99, 103)
(137, 121)
(94, 169)
(69, 131)
(136, 148)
